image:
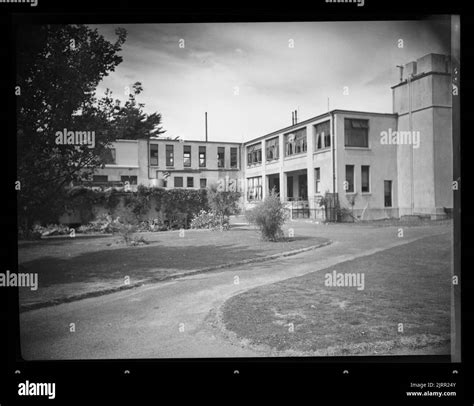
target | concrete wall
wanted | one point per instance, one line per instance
(430, 179)
(382, 160)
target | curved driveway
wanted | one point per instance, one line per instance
(169, 320)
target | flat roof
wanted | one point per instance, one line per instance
(309, 120)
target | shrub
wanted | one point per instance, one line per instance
(209, 220)
(223, 202)
(269, 216)
(51, 229)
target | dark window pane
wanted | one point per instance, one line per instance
(233, 157)
(203, 183)
(187, 155)
(169, 155)
(365, 179)
(154, 154)
(356, 133)
(178, 181)
(100, 178)
(202, 157)
(349, 179)
(220, 157)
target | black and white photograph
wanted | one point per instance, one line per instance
(207, 190)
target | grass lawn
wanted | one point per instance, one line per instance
(74, 266)
(409, 284)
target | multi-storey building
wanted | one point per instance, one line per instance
(170, 163)
(378, 165)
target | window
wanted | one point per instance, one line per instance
(323, 135)
(233, 157)
(254, 188)
(254, 154)
(202, 157)
(220, 157)
(178, 181)
(169, 155)
(190, 181)
(317, 177)
(349, 183)
(356, 133)
(295, 142)
(132, 180)
(387, 189)
(153, 154)
(365, 176)
(100, 178)
(203, 183)
(108, 156)
(272, 148)
(187, 155)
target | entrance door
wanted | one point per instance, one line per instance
(387, 188)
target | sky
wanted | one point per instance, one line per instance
(249, 77)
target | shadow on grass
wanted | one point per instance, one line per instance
(142, 262)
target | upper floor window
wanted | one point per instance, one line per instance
(233, 157)
(108, 156)
(153, 154)
(323, 135)
(272, 148)
(220, 157)
(356, 133)
(202, 156)
(169, 155)
(254, 154)
(187, 155)
(295, 142)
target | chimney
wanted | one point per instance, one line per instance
(205, 115)
(292, 118)
(296, 116)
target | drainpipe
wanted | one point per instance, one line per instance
(333, 144)
(410, 125)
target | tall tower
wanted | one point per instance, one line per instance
(423, 103)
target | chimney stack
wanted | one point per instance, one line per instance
(292, 118)
(205, 115)
(296, 116)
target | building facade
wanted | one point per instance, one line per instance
(377, 165)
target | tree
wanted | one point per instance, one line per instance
(58, 70)
(131, 122)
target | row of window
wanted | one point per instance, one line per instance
(132, 180)
(364, 179)
(356, 134)
(179, 182)
(187, 156)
